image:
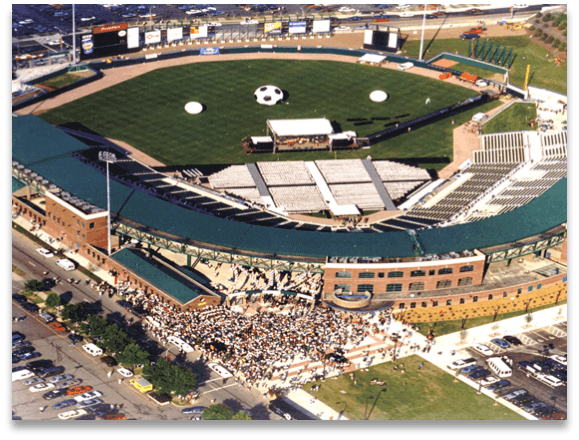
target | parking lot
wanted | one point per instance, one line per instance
(532, 349)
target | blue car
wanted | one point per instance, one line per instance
(500, 343)
(471, 369)
(355, 18)
(499, 385)
(64, 404)
(194, 410)
(479, 374)
(28, 356)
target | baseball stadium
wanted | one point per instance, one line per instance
(357, 179)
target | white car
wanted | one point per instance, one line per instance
(481, 83)
(41, 387)
(88, 402)
(250, 22)
(87, 18)
(70, 383)
(343, 28)
(483, 349)
(60, 378)
(88, 395)
(462, 363)
(214, 24)
(220, 370)
(45, 253)
(406, 15)
(346, 9)
(489, 380)
(72, 414)
(405, 66)
(561, 359)
(124, 372)
(147, 15)
(402, 6)
(193, 11)
(66, 264)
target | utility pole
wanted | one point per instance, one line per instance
(73, 37)
(422, 38)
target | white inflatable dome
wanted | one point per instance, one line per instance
(378, 96)
(193, 108)
(268, 95)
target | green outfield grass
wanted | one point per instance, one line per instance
(425, 394)
(544, 73)
(147, 111)
(65, 79)
(514, 118)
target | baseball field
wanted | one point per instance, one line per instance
(148, 113)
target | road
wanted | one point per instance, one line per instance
(94, 373)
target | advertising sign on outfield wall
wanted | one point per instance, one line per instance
(272, 28)
(199, 31)
(297, 27)
(152, 37)
(174, 34)
(209, 51)
(87, 44)
(132, 38)
(321, 26)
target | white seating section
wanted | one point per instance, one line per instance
(299, 198)
(343, 171)
(394, 171)
(250, 194)
(363, 195)
(285, 173)
(398, 190)
(235, 176)
(554, 145)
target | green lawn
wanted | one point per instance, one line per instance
(425, 394)
(147, 111)
(543, 73)
(514, 118)
(63, 80)
(446, 327)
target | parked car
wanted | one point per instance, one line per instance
(114, 417)
(17, 345)
(28, 356)
(355, 18)
(18, 298)
(75, 338)
(88, 402)
(78, 390)
(70, 383)
(462, 363)
(534, 406)
(343, 28)
(516, 393)
(41, 387)
(470, 369)
(500, 384)
(36, 366)
(32, 381)
(60, 378)
(47, 317)
(479, 373)
(431, 16)
(99, 408)
(561, 359)
(469, 36)
(45, 253)
(489, 381)
(64, 404)
(406, 15)
(483, 349)
(31, 307)
(15, 358)
(362, 26)
(482, 83)
(219, 369)
(500, 343)
(54, 394)
(346, 9)
(23, 350)
(72, 414)
(66, 264)
(194, 410)
(512, 340)
(57, 327)
(109, 361)
(88, 395)
(124, 372)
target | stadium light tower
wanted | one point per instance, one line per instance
(73, 37)
(108, 157)
(422, 38)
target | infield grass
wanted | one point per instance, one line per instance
(147, 111)
(425, 394)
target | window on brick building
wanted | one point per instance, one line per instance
(445, 271)
(91, 225)
(365, 288)
(468, 268)
(418, 273)
(461, 301)
(443, 284)
(394, 287)
(465, 281)
(416, 286)
(395, 274)
(366, 275)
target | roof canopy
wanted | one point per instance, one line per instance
(300, 127)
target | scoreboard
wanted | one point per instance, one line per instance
(107, 41)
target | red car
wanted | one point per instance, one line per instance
(57, 327)
(78, 390)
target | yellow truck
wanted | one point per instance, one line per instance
(142, 385)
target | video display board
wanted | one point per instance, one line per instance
(104, 41)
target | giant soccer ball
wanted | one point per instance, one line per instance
(268, 95)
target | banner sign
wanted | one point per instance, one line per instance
(133, 38)
(321, 26)
(174, 34)
(112, 28)
(152, 37)
(199, 31)
(297, 27)
(209, 51)
(87, 44)
(272, 28)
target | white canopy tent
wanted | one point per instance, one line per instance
(371, 58)
(300, 127)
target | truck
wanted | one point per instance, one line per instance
(143, 385)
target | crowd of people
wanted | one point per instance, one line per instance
(264, 344)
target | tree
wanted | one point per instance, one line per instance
(218, 412)
(241, 415)
(115, 339)
(52, 300)
(169, 378)
(528, 319)
(97, 326)
(75, 312)
(33, 286)
(133, 355)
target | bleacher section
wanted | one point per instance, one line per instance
(397, 190)
(343, 171)
(394, 171)
(235, 176)
(285, 173)
(299, 198)
(363, 195)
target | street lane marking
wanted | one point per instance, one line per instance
(207, 381)
(31, 263)
(217, 389)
